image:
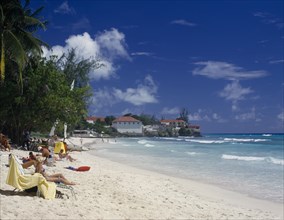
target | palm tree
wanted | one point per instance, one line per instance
(17, 27)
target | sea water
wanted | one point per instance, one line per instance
(251, 164)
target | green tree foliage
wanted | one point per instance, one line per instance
(109, 119)
(76, 69)
(18, 24)
(46, 98)
(183, 115)
(185, 132)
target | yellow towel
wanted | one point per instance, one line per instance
(59, 146)
(22, 182)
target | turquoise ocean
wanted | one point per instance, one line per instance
(250, 164)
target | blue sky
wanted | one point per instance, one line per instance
(222, 60)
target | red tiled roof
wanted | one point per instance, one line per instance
(93, 118)
(172, 120)
(126, 119)
(194, 126)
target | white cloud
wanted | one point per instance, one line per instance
(113, 44)
(64, 8)
(235, 92)
(170, 111)
(141, 54)
(276, 61)
(270, 19)
(105, 48)
(103, 97)
(200, 115)
(143, 94)
(194, 117)
(248, 116)
(218, 118)
(183, 22)
(205, 115)
(281, 116)
(223, 70)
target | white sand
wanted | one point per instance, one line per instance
(114, 191)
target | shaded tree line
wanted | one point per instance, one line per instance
(35, 91)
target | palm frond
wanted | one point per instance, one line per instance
(15, 48)
(37, 12)
(33, 23)
(2, 64)
(30, 42)
(2, 17)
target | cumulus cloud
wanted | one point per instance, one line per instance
(144, 93)
(106, 48)
(64, 8)
(235, 92)
(113, 44)
(183, 22)
(248, 116)
(103, 97)
(170, 111)
(205, 115)
(195, 117)
(281, 116)
(223, 70)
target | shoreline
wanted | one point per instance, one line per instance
(112, 190)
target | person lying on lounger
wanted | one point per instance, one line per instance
(58, 177)
(31, 157)
(66, 156)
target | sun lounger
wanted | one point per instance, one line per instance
(18, 179)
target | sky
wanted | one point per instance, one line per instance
(221, 60)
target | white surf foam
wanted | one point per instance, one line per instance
(250, 158)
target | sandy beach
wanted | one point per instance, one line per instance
(110, 190)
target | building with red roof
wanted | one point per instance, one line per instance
(173, 122)
(128, 125)
(93, 119)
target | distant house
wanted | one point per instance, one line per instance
(93, 119)
(173, 123)
(128, 125)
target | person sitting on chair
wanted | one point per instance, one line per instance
(57, 178)
(66, 155)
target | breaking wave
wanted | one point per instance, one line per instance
(250, 158)
(244, 140)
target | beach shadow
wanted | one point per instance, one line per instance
(16, 193)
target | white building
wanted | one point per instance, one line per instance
(128, 125)
(173, 123)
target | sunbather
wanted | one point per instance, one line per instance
(58, 177)
(66, 155)
(4, 143)
(31, 157)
